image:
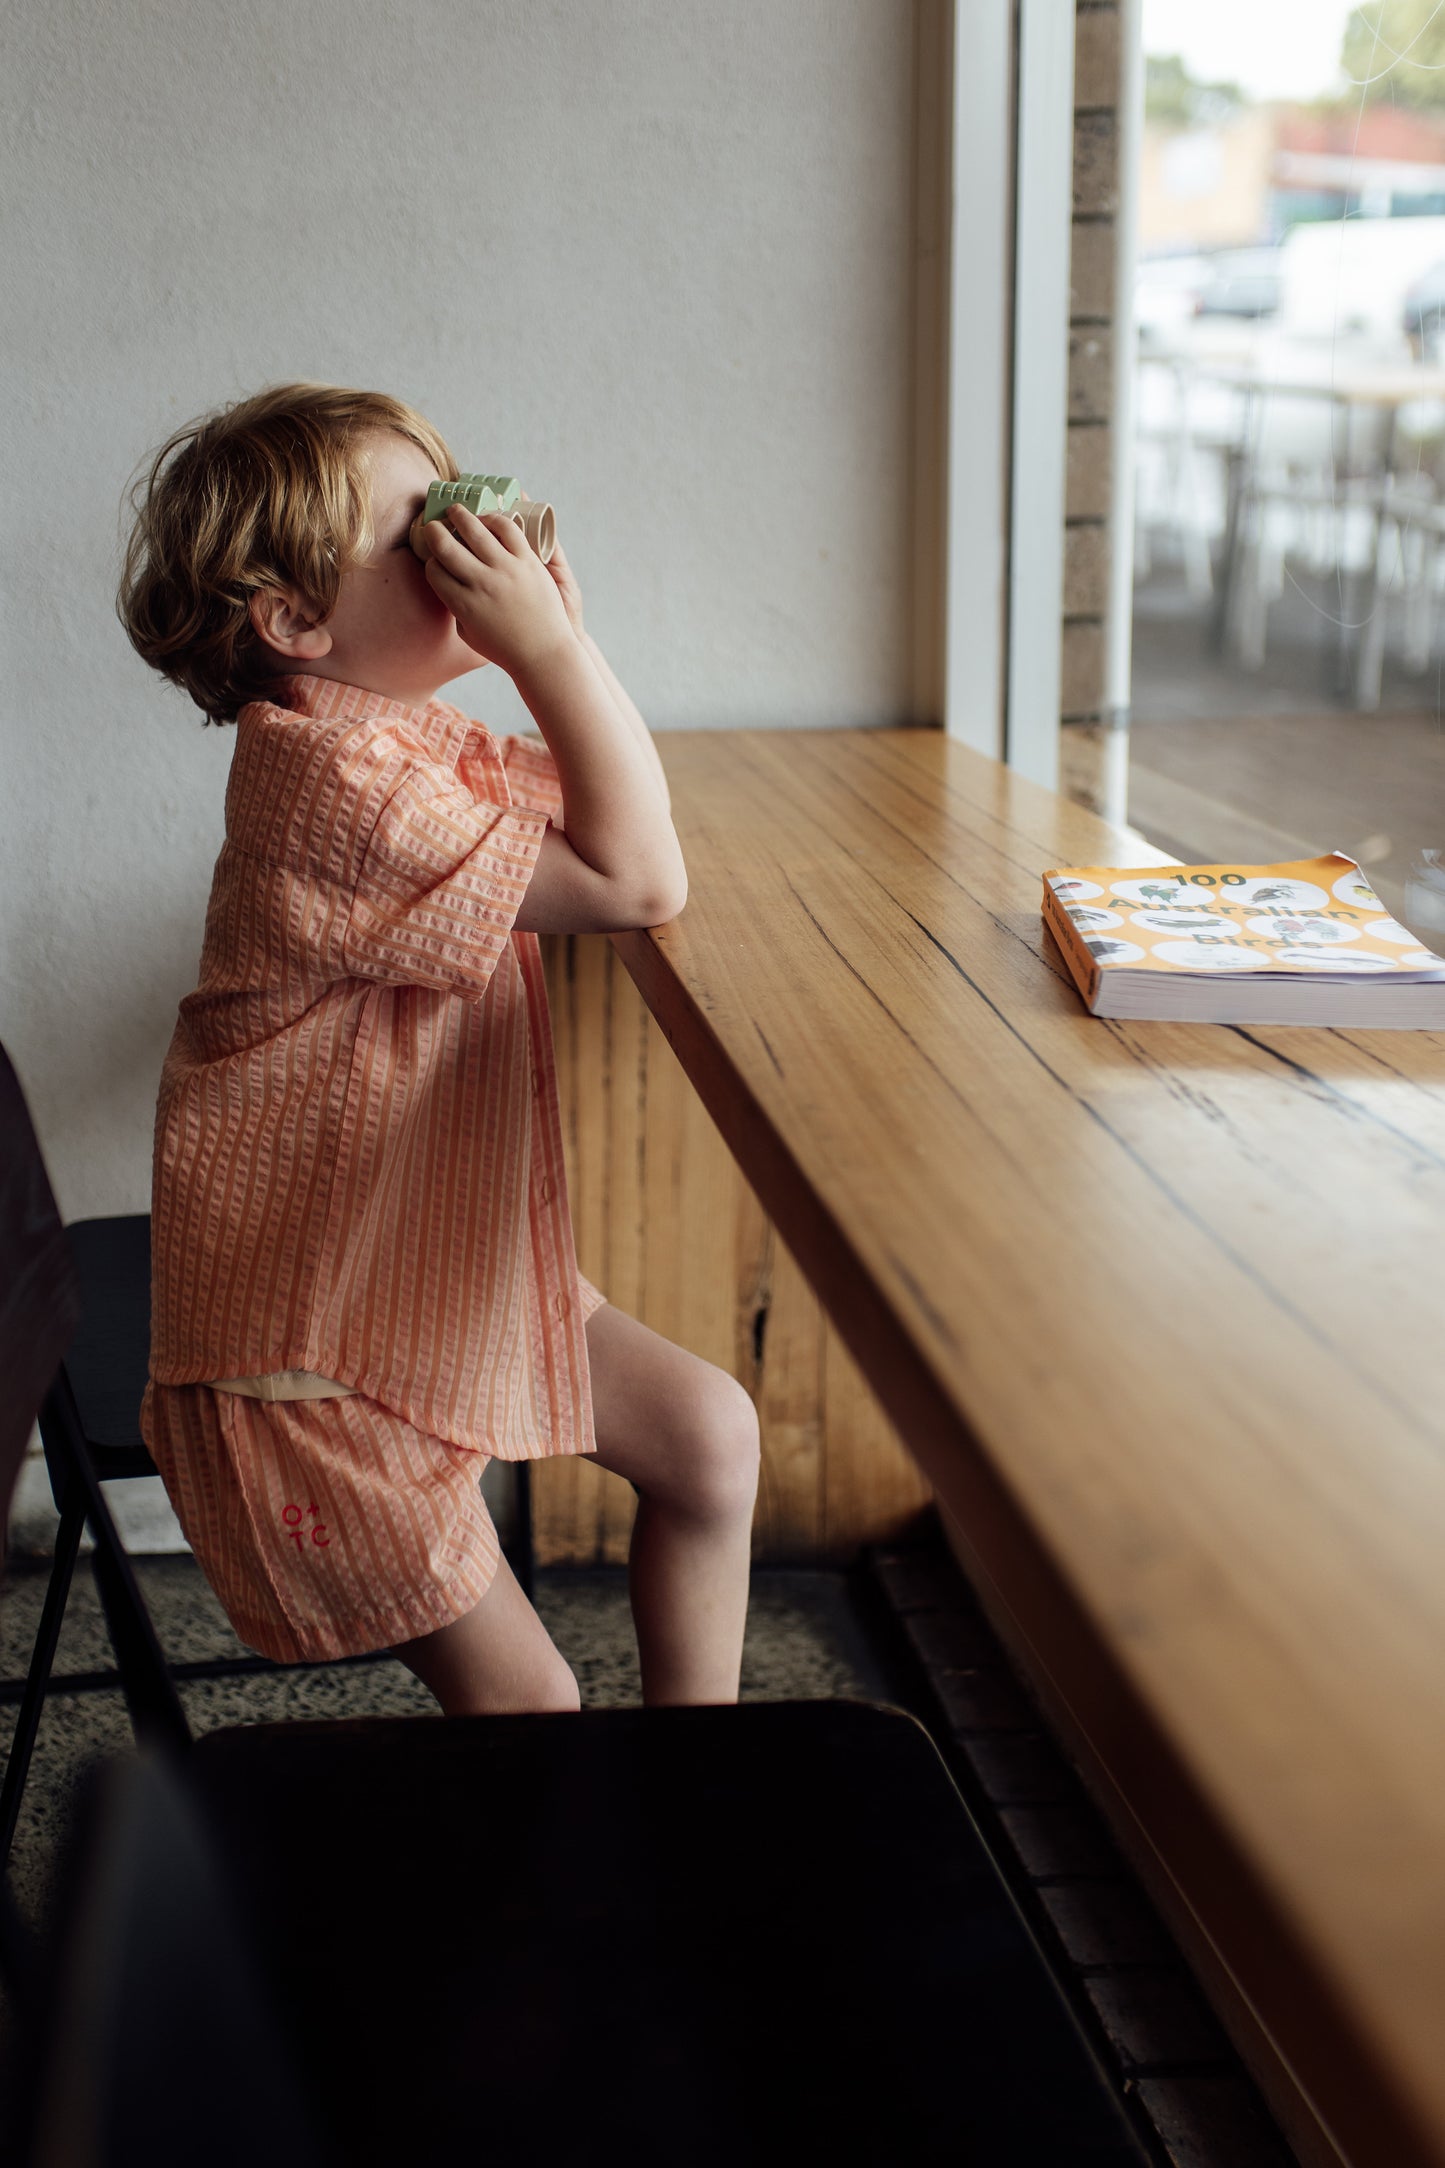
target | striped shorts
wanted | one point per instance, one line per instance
(326, 1527)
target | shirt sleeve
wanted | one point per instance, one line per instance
(532, 775)
(440, 885)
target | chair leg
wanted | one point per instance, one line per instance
(151, 1697)
(1250, 597)
(1417, 601)
(155, 1706)
(1370, 667)
(27, 1723)
(1198, 573)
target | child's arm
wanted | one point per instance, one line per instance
(629, 715)
(565, 580)
(509, 610)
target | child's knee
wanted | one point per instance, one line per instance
(563, 1692)
(727, 1451)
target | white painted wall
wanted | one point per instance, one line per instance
(653, 256)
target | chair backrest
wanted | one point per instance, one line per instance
(39, 1287)
(162, 2044)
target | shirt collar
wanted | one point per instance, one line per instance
(443, 729)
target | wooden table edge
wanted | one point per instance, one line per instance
(1335, 2095)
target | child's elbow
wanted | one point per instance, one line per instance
(665, 903)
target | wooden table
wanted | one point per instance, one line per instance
(1157, 1309)
(1385, 384)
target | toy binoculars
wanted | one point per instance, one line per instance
(494, 493)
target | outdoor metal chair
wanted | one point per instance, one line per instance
(1312, 488)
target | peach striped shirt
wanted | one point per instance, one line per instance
(358, 1153)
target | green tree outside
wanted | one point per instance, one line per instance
(1175, 99)
(1394, 51)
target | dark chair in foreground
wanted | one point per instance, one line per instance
(768, 1932)
(754, 1934)
(154, 2043)
(744, 1933)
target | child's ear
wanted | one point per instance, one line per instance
(281, 619)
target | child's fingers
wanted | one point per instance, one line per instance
(506, 531)
(463, 591)
(489, 540)
(457, 597)
(477, 530)
(458, 547)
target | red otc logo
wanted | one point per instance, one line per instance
(294, 1518)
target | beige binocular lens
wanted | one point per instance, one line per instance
(539, 526)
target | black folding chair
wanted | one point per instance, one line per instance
(90, 1430)
(89, 1379)
(123, 2038)
(89, 1427)
(39, 1305)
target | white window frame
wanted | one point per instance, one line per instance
(995, 168)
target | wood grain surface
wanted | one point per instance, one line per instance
(668, 1227)
(1157, 1309)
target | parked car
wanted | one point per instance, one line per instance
(1347, 282)
(1241, 282)
(1424, 314)
(1172, 292)
(1166, 293)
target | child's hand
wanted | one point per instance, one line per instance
(567, 587)
(496, 586)
(566, 581)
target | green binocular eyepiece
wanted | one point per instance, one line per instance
(494, 493)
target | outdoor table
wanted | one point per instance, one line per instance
(1384, 385)
(1157, 1309)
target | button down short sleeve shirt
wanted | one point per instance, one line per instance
(358, 1153)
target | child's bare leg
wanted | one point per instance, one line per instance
(495, 1660)
(686, 1435)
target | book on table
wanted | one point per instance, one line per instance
(1304, 943)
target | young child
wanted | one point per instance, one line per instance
(363, 1275)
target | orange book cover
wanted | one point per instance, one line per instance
(1315, 918)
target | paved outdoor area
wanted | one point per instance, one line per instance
(1257, 766)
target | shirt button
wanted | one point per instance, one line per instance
(547, 1188)
(537, 1080)
(563, 1305)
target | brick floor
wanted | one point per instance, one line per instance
(1189, 2095)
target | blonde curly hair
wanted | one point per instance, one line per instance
(267, 492)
